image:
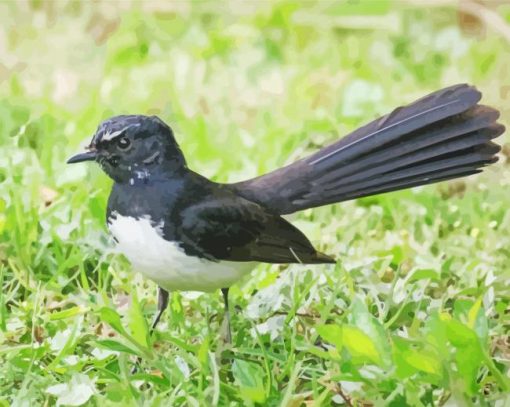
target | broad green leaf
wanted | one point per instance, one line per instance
(398, 254)
(435, 334)
(422, 361)
(458, 344)
(203, 353)
(477, 320)
(473, 313)
(468, 363)
(413, 356)
(137, 323)
(459, 334)
(366, 322)
(360, 345)
(115, 392)
(403, 368)
(111, 317)
(248, 377)
(468, 356)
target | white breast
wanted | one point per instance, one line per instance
(166, 263)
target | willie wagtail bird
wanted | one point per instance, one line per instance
(186, 232)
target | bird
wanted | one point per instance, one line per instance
(186, 232)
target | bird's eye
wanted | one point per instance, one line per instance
(123, 143)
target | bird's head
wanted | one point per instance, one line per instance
(131, 148)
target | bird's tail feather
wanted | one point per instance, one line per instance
(441, 136)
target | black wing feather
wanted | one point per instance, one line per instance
(235, 229)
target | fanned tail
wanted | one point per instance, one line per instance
(442, 136)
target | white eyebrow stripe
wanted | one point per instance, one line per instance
(110, 136)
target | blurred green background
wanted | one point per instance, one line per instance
(417, 310)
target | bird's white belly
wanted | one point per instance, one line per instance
(166, 263)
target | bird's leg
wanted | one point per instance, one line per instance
(228, 337)
(162, 304)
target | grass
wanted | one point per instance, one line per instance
(417, 310)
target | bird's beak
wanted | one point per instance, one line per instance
(86, 156)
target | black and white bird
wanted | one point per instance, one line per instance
(186, 232)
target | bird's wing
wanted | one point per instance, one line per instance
(236, 229)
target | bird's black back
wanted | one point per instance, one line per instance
(210, 221)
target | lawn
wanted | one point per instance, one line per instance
(415, 313)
